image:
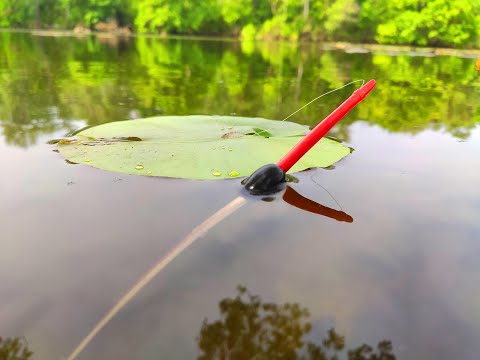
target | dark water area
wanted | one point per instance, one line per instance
(401, 272)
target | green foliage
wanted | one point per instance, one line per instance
(97, 10)
(63, 13)
(176, 16)
(450, 23)
(236, 11)
(432, 22)
(287, 22)
(341, 18)
(277, 28)
(14, 13)
(249, 32)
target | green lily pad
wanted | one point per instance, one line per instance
(194, 147)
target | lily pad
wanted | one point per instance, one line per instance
(194, 147)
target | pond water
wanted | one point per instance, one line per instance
(73, 238)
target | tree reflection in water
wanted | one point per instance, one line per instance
(14, 349)
(252, 329)
(60, 80)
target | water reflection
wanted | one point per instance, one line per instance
(14, 349)
(58, 81)
(405, 268)
(249, 328)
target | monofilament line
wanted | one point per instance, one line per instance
(312, 101)
(324, 188)
(318, 97)
(197, 232)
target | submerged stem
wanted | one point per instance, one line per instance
(198, 231)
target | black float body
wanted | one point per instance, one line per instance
(269, 179)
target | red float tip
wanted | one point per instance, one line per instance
(321, 129)
(365, 89)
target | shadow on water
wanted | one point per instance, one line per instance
(293, 198)
(14, 349)
(250, 328)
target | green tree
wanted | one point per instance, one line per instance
(236, 12)
(341, 19)
(190, 16)
(410, 22)
(15, 13)
(64, 13)
(421, 22)
(287, 22)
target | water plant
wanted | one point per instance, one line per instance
(265, 180)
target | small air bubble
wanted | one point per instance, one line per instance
(87, 160)
(139, 167)
(233, 173)
(216, 173)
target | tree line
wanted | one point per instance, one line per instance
(450, 23)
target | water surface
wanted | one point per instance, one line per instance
(74, 238)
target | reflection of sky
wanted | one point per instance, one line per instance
(75, 238)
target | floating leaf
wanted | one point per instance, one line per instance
(195, 147)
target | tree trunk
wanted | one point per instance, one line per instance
(37, 15)
(306, 9)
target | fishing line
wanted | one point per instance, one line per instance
(320, 96)
(312, 101)
(303, 107)
(328, 192)
(197, 232)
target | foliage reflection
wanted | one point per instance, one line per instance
(252, 329)
(14, 349)
(58, 81)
